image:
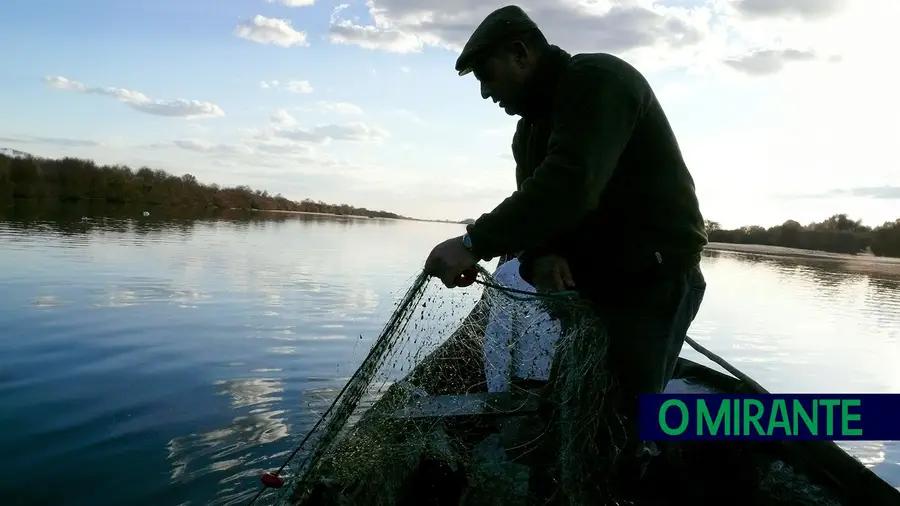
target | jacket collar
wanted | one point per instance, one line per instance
(537, 94)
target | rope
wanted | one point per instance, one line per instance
(273, 480)
(564, 295)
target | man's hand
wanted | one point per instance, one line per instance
(551, 274)
(448, 260)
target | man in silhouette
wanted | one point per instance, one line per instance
(605, 203)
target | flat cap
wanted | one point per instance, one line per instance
(498, 26)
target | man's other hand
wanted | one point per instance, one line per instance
(448, 260)
(551, 274)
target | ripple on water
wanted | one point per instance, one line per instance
(185, 359)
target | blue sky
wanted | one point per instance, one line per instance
(783, 109)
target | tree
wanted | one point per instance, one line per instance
(75, 179)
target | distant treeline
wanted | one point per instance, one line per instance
(72, 179)
(838, 234)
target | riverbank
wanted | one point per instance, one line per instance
(331, 215)
(402, 218)
(879, 267)
(781, 251)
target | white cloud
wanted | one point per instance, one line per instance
(697, 34)
(807, 9)
(405, 70)
(832, 29)
(204, 146)
(408, 116)
(342, 108)
(324, 134)
(249, 152)
(196, 127)
(282, 117)
(179, 108)
(284, 148)
(770, 61)
(280, 144)
(883, 192)
(737, 137)
(410, 25)
(298, 87)
(275, 31)
(52, 141)
(293, 3)
(293, 86)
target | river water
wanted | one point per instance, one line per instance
(169, 362)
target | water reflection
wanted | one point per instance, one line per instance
(77, 218)
(828, 271)
(857, 296)
(808, 325)
(137, 292)
(782, 311)
(233, 451)
(269, 309)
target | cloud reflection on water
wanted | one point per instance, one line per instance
(233, 451)
(258, 291)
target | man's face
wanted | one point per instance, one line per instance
(502, 77)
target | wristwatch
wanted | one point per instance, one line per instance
(467, 242)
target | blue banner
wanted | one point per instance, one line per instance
(837, 417)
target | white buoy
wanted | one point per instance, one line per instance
(146, 213)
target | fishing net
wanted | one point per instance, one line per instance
(415, 424)
(367, 449)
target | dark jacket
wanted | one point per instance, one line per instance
(601, 179)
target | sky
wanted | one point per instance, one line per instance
(784, 109)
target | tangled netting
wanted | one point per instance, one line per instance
(557, 440)
(361, 452)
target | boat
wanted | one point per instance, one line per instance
(445, 396)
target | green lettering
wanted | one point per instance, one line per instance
(812, 424)
(829, 415)
(754, 418)
(662, 417)
(705, 419)
(736, 421)
(846, 417)
(779, 408)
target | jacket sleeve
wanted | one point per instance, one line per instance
(594, 114)
(527, 257)
(519, 146)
